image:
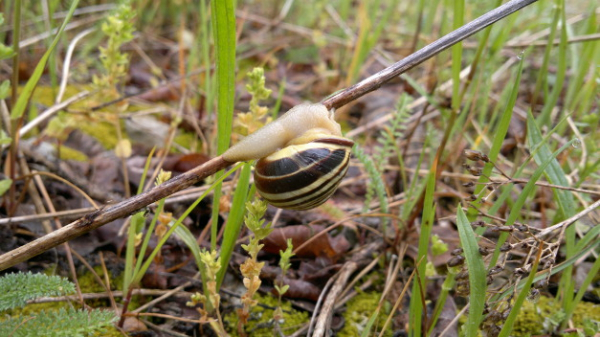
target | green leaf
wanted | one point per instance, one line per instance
(4, 186)
(142, 270)
(592, 234)
(553, 271)
(499, 135)
(64, 322)
(419, 286)
(4, 89)
(234, 221)
(223, 22)
(477, 272)
(527, 189)
(25, 95)
(367, 329)
(18, 288)
(190, 240)
(593, 273)
(554, 173)
(508, 324)
(458, 16)
(6, 52)
(135, 226)
(556, 176)
(223, 12)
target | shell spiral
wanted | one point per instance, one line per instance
(303, 176)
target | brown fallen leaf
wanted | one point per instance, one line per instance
(300, 289)
(323, 245)
(132, 324)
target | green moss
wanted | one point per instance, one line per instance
(88, 284)
(187, 140)
(34, 308)
(358, 311)
(531, 314)
(104, 132)
(67, 153)
(261, 319)
(87, 281)
(585, 310)
(548, 311)
(45, 95)
(110, 331)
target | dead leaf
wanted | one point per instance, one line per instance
(300, 289)
(323, 245)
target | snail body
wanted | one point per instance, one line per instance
(302, 157)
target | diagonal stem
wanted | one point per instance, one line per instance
(375, 81)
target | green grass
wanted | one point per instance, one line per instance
(223, 27)
(477, 274)
(544, 97)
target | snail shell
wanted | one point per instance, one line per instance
(302, 157)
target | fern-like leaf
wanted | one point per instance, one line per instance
(17, 289)
(375, 185)
(387, 140)
(64, 322)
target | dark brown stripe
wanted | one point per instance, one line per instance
(318, 196)
(318, 165)
(334, 179)
(317, 200)
(276, 168)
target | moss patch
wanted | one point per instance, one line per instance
(104, 132)
(187, 140)
(67, 153)
(359, 311)
(549, 312)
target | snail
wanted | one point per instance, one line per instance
(302, 157)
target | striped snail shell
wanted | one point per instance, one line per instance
(302, 157)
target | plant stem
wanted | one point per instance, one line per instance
(375, 81)
(15, 45)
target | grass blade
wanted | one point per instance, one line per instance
(553, 271)
(223, 19)
(234, 221)
(508, 324)
(554, 173)
(561, 71)
(138, 275)
(224, 35)
(518, 205)
(367, 330)
(190, 240)
(566, 204)
(25, 95)
(477, 273)
(593, 273)
(499, 136)
(417, 300)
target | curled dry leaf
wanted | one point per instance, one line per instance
(154, 279)
(300, 289)
(133, 324)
